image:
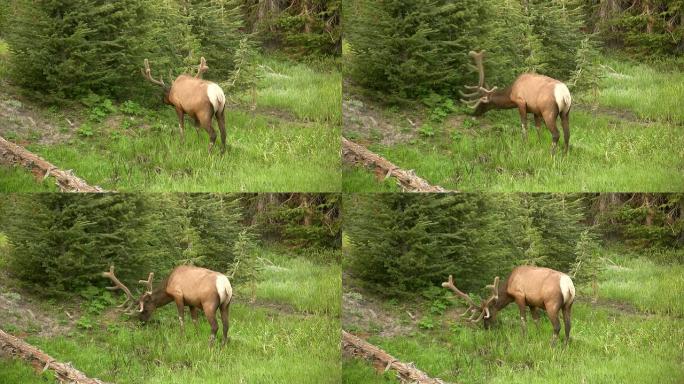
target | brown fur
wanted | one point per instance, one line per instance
(531, 93)
(188, 95)
(193, 287)
(536, 288)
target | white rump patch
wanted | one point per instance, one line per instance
(567, 289)
(224, 289)
(563, 99)
(216, 97)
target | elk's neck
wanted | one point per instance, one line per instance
(502, 99)
(159, 295)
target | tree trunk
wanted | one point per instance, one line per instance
(353, 153)
(64, 372)
(66, 181)
(406, 372)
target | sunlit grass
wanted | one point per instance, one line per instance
(608, 344)
(309, 94)
(14, 178)
(648, 92)
(608, 152)
(294, 149)
(267, 345)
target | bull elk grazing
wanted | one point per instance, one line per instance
(186, 286)
(201, 99)
(541, 95)
(527, 286)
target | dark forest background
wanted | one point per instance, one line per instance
(399, 245)
(65, 50)
(56, 244)
(401, 50)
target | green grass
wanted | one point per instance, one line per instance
(310, 95)
(267, 345)
(292, 146)
(646, 286)
(648, 92)
(360, 180)
(18, 179)
(609, 345)
(286, 280)
(609, 151)
(15, 371)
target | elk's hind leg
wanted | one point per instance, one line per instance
(210, 312)
(550, 121)
(535, 316)
(565, 121)
(221, 120)
(552, 311)
(205, 120)
(537, 125)
(567, 315)
(225, 319)
(193, 314)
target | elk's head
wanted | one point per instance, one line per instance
(145, 307)
(485, 311)
(480, 98)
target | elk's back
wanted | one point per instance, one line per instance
(535, 284)
(536, 90)
(189, 93)
(196, 284)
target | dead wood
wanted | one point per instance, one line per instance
(64, 372)
(66, 181)
(406, 372)
(355, 154)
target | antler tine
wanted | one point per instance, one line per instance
(478, 90)
(477, 57)
(485, 304)
(148, 282)
(202, 67)
(118, 285)
(450, 285)
(148, 75)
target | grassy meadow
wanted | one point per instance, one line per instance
(290, 334)
(625, 136)
(631, 334)
(288, 142)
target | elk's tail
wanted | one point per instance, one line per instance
(225, 291)
(563, 99)
(567, 289)
(216, 97)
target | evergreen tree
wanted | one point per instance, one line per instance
(587, 266)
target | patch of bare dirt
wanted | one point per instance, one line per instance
(364, 121)
(20, 315)
(616, 306)
(364, 315)
(22, 123)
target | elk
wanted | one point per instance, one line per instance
(541, 95)
(186, 286)
(527, 286)
(200, 99)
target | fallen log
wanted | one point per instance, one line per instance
(66, 181)
(406, 372)
(354, 154)
(64, 372)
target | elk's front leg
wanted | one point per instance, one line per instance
(523, 321)
(537, 125)
(522, 108)
(181, 313)
(181, 123)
